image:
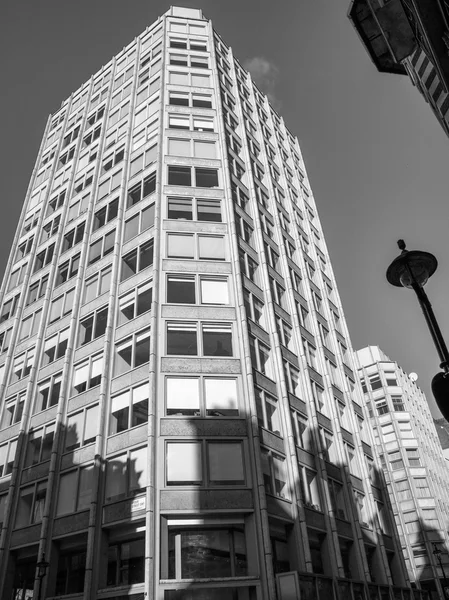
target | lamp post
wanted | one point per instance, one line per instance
(437, 553)
(412, 269)
(42, 567)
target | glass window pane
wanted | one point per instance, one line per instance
(180, 290)
(205, 149)
(138, 469)
(180, 208)
(116, 474)
(131, 228)
(179, 176)
(209, 210)
(184, 463)
(85, 487)
(74, 432)
(211, 247)
(225, 462)
(181, 339)
(90, 430)
(214, 291)
(221, 397)
(180, 246)
(183, 396)
(217, 341)
(179, 147)
(67, 493)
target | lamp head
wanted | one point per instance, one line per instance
(411, 267)
(42, 567)
(440, 390)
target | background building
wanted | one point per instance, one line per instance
(179, 408)
(412, 458)
(409, 38)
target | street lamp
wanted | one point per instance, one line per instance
(412, 270)
(42, 567)
(437, 553)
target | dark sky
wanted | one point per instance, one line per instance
(376, 157)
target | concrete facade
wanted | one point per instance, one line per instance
(413, 462)
(180, 412)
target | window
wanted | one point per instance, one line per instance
(7, 456)
(223, 464)
(268, 411)
(82, 182)
(126, 474)
(62, 306)
(48, 393)
(360, 502)
(139, 222)
(5, 339)
(203, 177)
(93, 326)
(413, 457)
(71, 570)
(97, 285)
(143, 161)
(70, 137)
(337, 499)
(87, 374)
(112, 160)
(412, 524)
(181, 289)
(207, 397)
(353, 461)
(222, 549)
(382, 406)
(141, 190)
(73, 237)
(430, 519)
(260, 356)
(12, 411)
(102, 247)
(129, 409)
(50, 229)
(29, 326)
(285, 333)
(375, 381)
(132, 352)
(9, 308)
(30, 508)
(216, 339)
(274, 473)
(55, 346)
(68, 270)
(135, 303)
(116, 135)
(31, 221)
(96, 116)
(205, 247)
(81, 428)
(39, 445)
(43, 258)
(126, 562)
(120, 113)
(301, 431)
(107, 186)
(327, 445)
(390, 377)
(78, 208)
(396, 461)
(203, 123)
(198, 209)
(22, 365)
(398, 404)
(93, 135)
(403, 490)
(138, 259)
(24, 248)
(105, 215)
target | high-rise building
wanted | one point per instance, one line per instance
(413, 463)
(442, 427)
(409, 38)
(180, 417)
